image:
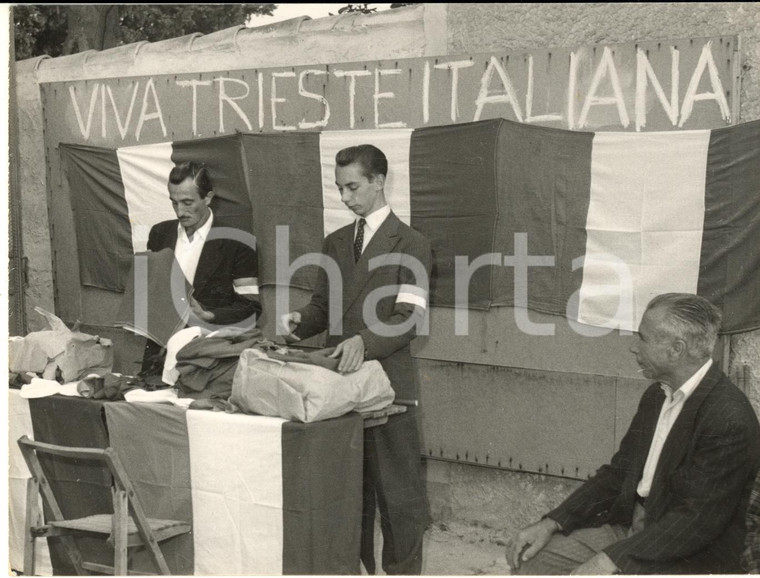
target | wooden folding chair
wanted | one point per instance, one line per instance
(128, 526)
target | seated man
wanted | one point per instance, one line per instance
(673, 498)
(222, 271)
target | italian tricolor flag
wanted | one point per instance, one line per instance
(624, 216)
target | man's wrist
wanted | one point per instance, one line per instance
(553, 524)
(607, 564)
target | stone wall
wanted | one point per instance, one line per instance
(35, 227)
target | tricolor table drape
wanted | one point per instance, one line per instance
(264, 495)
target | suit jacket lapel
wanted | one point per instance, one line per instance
(207, 263)
(645, 441)
(682, 431)
(382, 242)
(171, 234)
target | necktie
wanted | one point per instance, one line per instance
(359, 241)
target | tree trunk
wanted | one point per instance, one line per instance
(91, 27)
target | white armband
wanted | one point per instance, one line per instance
(413, 295)
(246, 286)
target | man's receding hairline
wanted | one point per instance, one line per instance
(198, 190)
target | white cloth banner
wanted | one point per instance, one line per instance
(237, 493)
(145, 174)
(635, 250)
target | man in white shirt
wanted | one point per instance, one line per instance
(392, 469)
(674, 496)
(222, 271)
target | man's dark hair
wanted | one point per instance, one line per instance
(197, 172)
(371, 159)
(691, 318)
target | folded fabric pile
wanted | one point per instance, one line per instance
(206, 365)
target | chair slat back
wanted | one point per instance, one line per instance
(91, 454)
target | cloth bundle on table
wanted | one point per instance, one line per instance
(207, 365)
(306, 392)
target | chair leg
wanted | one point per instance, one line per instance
(119, 532)
(32, 519)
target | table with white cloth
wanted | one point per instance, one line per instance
(264, 495)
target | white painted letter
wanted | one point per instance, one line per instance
(705, 61)
(194, 84)
(123, 128)
(529, 100)
(260, 77)
(224, 97)
(275, 99)
(507, 96)
(571, 82)
(426, 94)
(318, 97)
(454, 68)
(153, 115)
(103, 110)
(85, 130)
(352, 74)
(378, 95)
(645, 71)
(606, 63)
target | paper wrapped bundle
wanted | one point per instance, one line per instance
(59, 349)
(304, 392)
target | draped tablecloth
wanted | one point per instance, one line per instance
(264, 495)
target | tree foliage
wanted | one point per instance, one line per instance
(365, 8)
(39, 30)
(57, 30)
(153, 23)
(361, 8)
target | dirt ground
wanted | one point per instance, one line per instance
(455, 548)
(459, 549)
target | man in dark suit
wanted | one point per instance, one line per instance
(673, 498)
(222, 271)
(377, 325)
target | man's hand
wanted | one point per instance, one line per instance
(529, 542)
(596, 566)
(351, 353)
(199, 311)
(287, 326)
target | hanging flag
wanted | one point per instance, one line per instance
(101, 216)
(118, 195)
(285, 190)
(587, 225)
(455, 204)
(644, 223)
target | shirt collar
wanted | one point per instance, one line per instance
(690, 384)
(201, 233)
(377, 218)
